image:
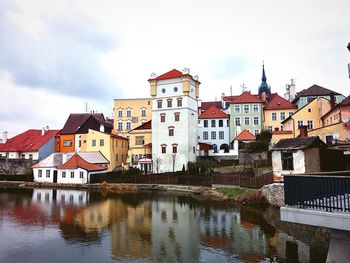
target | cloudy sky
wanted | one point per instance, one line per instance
(57, 55)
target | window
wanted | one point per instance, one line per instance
(269, 128)
(221, 135)
(237, 108)
(213, 135)
(256, 120)
(246, 108)
(71, 174)
(120, 113)
(310, 125)
(287, 160)
(205, 123)
(134, 119)
(169, 103)
(205, 135)
(139, 140)
(308, 110)
(163, 148)
(179, 102)
(48, 173)
(102, 142)
(171, 131)
(174, 148)
(63, 174)
(160, 104)
(213, 123)
(30, 156)
(246, 120)
(23, 156)
(128, 113)
(116, 157)
(215, 148)
(256, 132)
(128, 126)
(300, 124)
(81, 175)
(177, 116)
(238, 121)
(221, 123)
(120, 126)
(40, 173)
(93, 143)
(290, 113)
(255, 108)
(143, 113)
(274, 116)
(162, 117)
(282, 115)
(122, 157)
(67, 143)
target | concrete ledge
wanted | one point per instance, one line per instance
(340, 221)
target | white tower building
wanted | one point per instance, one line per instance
(174, 120)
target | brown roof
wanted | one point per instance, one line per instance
(245, 135)
(276, 102)
(213, 113)
(145, 126)
(315, 90)
(75, 120)
(76, 161)
(298, 143)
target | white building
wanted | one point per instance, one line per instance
(214, 129)
(174, 120)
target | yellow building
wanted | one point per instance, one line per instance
(131, 113)
(309, 115)
(140, 143)
(276, 110)
(113, 147)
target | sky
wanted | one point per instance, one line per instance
(55, 56)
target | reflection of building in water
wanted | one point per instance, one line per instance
(175, 233)
(131, 229)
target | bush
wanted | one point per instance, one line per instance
(132, 172)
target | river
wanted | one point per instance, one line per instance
(46, 225)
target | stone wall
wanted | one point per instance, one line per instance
(274, 193)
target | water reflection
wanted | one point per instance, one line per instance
(142, 227)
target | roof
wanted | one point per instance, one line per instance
(75, 120)
(314, 90)
(204, 146)
(245, 135)
(282, 132)
(77, 162)
(276, 102)
(28, 141)
(92, 157)
(206, 104)
(245, 97)
(52, 160)
(213, 113)
(344, 103)
(119, 137)
(172, 74)
(145, 126)
(298, 143)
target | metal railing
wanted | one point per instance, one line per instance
(323, 192)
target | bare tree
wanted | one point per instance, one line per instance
(8, 167)
(157, 162)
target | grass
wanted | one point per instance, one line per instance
(233, 192)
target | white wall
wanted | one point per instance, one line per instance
(18, 155)
(75, 180)
(298, 163)
(43, 178)
(217, 129)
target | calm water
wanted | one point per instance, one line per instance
(45, 225)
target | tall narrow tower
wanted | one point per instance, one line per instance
(174, 120)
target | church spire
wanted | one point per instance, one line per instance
(263, 86)
(263, 79)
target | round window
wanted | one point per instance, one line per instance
(163, 90)
(176, 89)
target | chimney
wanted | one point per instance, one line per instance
(42, 131)
(4, 137)
(47, 128)
(277, 129)
(332, 100)
(303, 131)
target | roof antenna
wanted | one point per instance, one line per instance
(86, 107)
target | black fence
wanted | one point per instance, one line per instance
(325, 192)
(16, 177)
(245, 179)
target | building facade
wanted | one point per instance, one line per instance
(131, 113)
(174, 120)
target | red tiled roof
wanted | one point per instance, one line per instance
(28, 141)
(245, 97)
(172, 74)
(344, 103)
(245, 135)
(206, 104)
(275, 101)
(75, 120)
(204, 146)
(76, 161)
(213, 113)
(282, 132)
(145, 126)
